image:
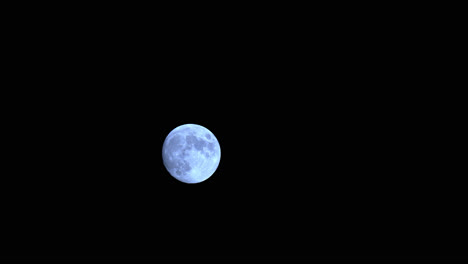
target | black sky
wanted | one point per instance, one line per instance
(323, 140)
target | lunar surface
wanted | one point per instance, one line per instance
(191, 153)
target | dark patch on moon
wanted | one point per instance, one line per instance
(175, 140)
(210, 146)
(173, 143)
(182, 167)
(186, 149)
(195, 141)
(186, 166)
(208, 136)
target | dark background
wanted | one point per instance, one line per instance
(327, 138)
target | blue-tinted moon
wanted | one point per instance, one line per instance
(191, 153)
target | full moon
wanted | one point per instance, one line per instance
(191, 153)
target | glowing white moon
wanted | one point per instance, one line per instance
(191, 153)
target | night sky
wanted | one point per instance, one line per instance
(324, 148)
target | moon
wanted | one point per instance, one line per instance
(191, 153)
